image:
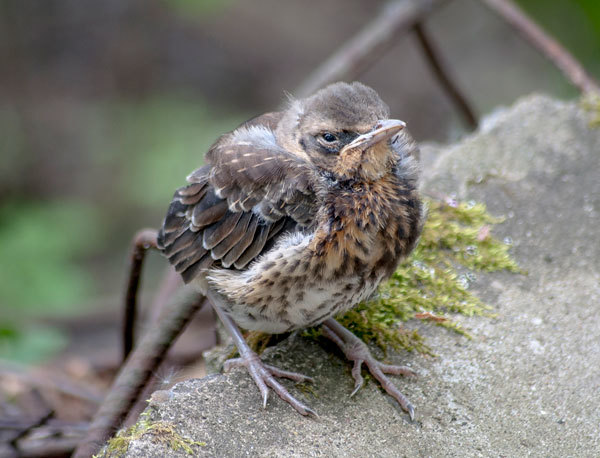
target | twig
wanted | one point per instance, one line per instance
(54, 438)
(435, 62)
(357, 54)
(52, 447)
(43, 379)
(28, 428)
(142, 242)
(547, 45)
(135, 373)
(52, 427)
(171, 282)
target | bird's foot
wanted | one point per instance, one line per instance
(264, 377)
(262, 374)
(358, 352)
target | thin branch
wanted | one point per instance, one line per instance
(170, 283)
(49, 447)
(443, 77)
(53, 438)
(142, 242)
(136, 372)
(42, 379)
(360, 52)
(42, 420)
(547, 45)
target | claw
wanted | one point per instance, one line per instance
(262, 374)
(356, 350)
(358, 378)
(357, 386)
(264, 377)
(411, 411)
(312, 413)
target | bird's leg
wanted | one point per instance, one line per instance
(262, 374)
(358, 352)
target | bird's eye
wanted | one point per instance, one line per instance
(329, 137)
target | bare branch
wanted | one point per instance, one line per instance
(142, 242)
(547, 45)
(357, 54)
(443, 77)
(51, 447)
(42, 420)
(43, 379)
(136, 372)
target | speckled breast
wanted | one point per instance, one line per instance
(290, 288)
(361, 235)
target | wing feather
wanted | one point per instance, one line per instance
(236, 251)
(234, 237)
(253, 250)
(209, 210)
(195, 269)
(183, 242)
(216, 232)
(235, 207)
(188, 261)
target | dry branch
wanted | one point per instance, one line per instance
(358, 53)
(135, 373)
(547, 45)
(142, 242)
(43, 379)
(442, 75)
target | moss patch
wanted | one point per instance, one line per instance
(161, 432)
(590, 102)
(433, 282)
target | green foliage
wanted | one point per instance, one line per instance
(29, 344)
(39, 275)
(139, 153)
(429, 284)
(161, 431)
(574, 23)
(155, 144)
(198, 8)
(39, 244)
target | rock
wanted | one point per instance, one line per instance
(528, 384)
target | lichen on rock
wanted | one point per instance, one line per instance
(161, 432)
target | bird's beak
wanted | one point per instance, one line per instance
(383, 130)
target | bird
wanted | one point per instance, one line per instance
(296, 217)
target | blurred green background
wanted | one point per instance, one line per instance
(105, 107)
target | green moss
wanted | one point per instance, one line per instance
(433, 281)
(161, 431)
(590, 102)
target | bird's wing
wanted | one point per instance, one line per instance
(235, 206)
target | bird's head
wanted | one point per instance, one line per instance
(345, 131)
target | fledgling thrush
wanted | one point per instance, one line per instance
(296, 217)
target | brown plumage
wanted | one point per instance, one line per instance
(298, 215)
